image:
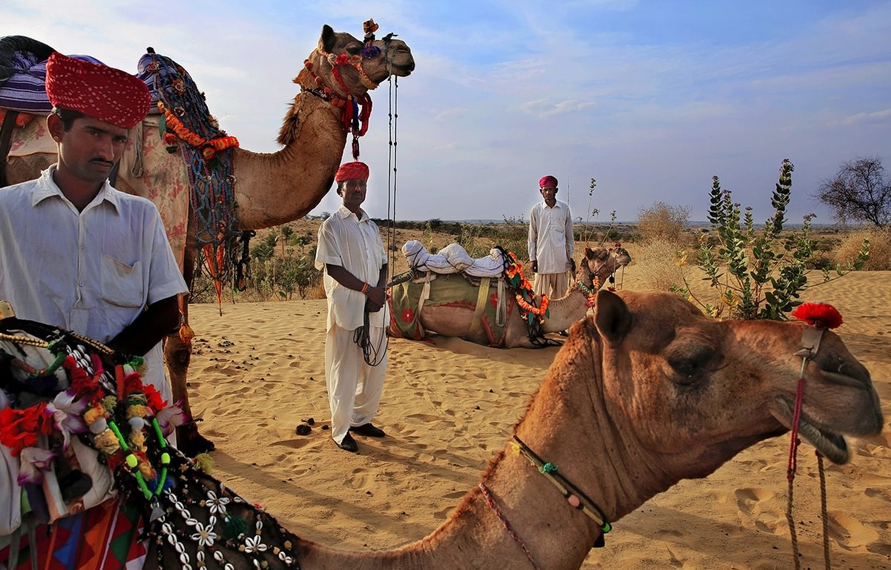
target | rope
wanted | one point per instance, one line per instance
(795, 553)
(824, 512)
(790, 477)
(494, 506)
(792, 465)
(373, 355)
(566, 487)
(393, 114)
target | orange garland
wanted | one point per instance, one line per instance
(539, 311)
(211, 147)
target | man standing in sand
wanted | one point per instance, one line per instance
(355, 262)
(551, 242)
(75, 252)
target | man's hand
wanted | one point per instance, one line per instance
(534, 266)
(377, 296)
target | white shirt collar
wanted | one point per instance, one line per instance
(345, 212)
(47, 188)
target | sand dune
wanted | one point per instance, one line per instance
(448, 406)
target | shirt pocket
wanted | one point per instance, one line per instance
(121, 283)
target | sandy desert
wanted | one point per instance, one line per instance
(258, 372)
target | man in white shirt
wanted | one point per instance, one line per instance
(76, 253)
(551, 242)
(355, 262)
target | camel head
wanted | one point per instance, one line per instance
(687, 392)
(601, 263)
(348, 66)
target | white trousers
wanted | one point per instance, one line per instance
(554, 285)
(354, 387)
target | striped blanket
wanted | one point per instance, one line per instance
(24, 90)
(23, 75)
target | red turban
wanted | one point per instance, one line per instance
(352, 171)
(101, 92)
(547, 182)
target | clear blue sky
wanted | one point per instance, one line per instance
(651, 98)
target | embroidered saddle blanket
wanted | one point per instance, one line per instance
(488, 298)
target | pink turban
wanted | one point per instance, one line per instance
(547, 182)
(352, 171)
(98, 91)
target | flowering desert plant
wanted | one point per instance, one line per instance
(759, 274)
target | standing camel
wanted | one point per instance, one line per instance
(645, 392)
(272, 188)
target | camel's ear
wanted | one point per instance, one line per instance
(326, 42)
(612, 317)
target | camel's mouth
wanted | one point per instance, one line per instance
(832, 445)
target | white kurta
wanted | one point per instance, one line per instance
(354, 387)
(92, 272)
(550, 244)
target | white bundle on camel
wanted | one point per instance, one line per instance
(452, 259)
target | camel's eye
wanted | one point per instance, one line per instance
(690, 363)
(354, 49)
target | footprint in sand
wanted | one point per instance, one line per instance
(850, 532)
(771, 523)
(748, 500)
(423, 417)
(884, 494)
(292, 444)
(358, 480)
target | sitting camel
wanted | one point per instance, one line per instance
(645, 392)
(272, 188)
(461, 319)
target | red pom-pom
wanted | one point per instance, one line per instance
(819, 315)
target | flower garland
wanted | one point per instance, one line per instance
(209, 147)
(537, 311)
(524, 295)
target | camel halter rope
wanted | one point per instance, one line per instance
(820, 316)
(374, 354)
(573, 495)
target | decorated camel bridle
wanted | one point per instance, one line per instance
(356, 109)
(820, 316)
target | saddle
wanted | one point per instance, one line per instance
(489, 286)
(489, 298)
(160, 497)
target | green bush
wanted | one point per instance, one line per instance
(759, 274)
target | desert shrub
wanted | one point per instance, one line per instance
(758, 274)
(879, 249)
(479, 239)
(663, 223)
(655, 262)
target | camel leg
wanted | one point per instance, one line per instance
(178, 354)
